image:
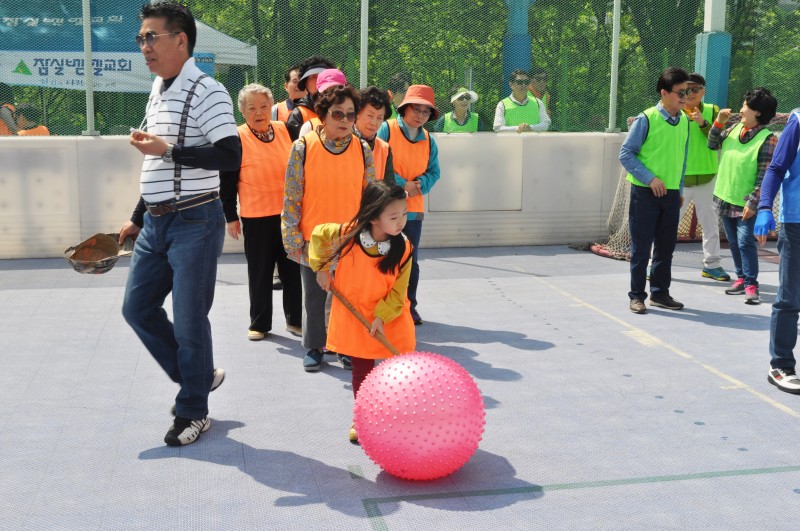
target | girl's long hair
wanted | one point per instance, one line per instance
(377, 195)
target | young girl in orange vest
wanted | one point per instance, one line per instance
(373, 265)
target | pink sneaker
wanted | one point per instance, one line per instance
(751, 295)
(737, 288)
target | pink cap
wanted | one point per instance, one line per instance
(329, 78)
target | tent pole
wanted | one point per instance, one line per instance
(88, 70)
(612, 100)
(364, 42)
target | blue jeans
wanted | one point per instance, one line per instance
(783, 326)
(743, 248)
(178, 253)
(413, 230)
(653, 223)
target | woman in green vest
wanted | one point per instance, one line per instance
(745, 153)
(460, 119)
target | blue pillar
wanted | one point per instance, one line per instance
(516, 41)
(516, 54)
(713, 62)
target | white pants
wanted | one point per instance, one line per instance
(709, 221)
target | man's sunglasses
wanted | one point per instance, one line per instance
(522, 81)
(150, 38)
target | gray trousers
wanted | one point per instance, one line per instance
(316, 310)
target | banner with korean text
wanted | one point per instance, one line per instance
(41, 44)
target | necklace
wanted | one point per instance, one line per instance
(264, 137)
(368, 241)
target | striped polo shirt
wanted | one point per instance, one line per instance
(210, 120)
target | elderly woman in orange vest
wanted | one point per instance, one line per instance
(416, 166)
(376, 107)
(259, 186)
(326, 175)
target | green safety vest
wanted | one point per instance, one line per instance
(701, 160)
(738, 167)
(521, 114)
(663, 151)
(451, 126)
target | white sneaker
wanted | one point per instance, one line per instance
(186, 431)
(294, 330)
(785, 380)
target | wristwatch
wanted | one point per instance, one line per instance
(167, 156)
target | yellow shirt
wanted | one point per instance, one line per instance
(326, 236)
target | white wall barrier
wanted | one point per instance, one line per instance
(496, 189)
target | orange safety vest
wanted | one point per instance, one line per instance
(363, 285)
(380, 152)
(410, 160)
(333, 183)
(4, 130)
(283, 111)
(263, 171)
(39, 130)
(306, 113)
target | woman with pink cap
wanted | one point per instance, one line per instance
(416, 166)
(328, 78)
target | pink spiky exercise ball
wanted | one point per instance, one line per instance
(419, 416)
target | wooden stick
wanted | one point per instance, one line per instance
(378, 334)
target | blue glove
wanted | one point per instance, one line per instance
(765, 223)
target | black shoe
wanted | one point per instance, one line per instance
(665, 301)
(346, 362)
(415, 317)
(637, 306)
(186, 431)
(276, 283)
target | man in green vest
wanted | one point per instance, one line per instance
(519, 112)
(654, 153)
(538, 86)
(701, 169)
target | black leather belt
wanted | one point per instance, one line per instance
(159, 209)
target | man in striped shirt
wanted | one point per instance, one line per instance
(179, 219)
